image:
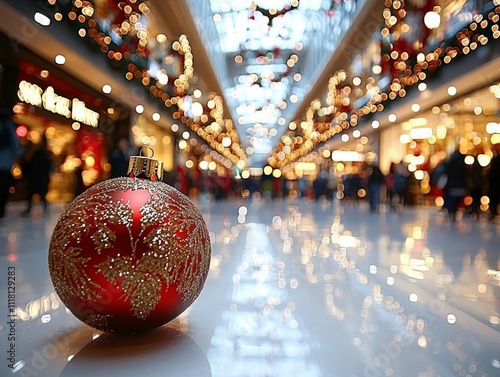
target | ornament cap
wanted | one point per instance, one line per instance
(145, 167)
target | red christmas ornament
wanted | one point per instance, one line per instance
(130, 254)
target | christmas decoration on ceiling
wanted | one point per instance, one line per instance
(401, 66)
(272, 13)
(163, 68)
(411, 49)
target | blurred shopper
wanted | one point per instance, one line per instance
(476, 187)
(438, 178)
(494, 181)
(119, 159)
(302, 186)
(10, 149)
(278, 187)
(320, 185)
(396, 183)
(402, 176)
(456, 183)
(79, 183)
(390, 182)
(375, 180)
(352, 183)
(37, 166)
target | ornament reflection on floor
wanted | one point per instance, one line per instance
(141, 355)
(130, 254)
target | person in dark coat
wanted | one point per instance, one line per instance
(10, 149)
(456, 185)
(375, 180)
(494, 181)
(36, 167)
(320, 185)
(119, 159)
(476, 186)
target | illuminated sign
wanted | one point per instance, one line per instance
(421, 133)
(345, 155)
(50, 101)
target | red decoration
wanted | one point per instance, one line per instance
(129, 255)
(117, 11)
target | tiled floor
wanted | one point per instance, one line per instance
(295, 289)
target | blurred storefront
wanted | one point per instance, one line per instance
(470, 123)
(81, 126)
(426, 84)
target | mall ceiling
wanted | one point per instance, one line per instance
(268, 59)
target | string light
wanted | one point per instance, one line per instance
(321, 121)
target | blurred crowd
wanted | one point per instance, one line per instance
(457, 183)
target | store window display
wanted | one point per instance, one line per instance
(78, 124)
(77, 158)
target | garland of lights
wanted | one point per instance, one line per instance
(290, 149)
(322, 122)
(133, 55)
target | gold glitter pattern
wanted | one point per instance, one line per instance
(141, 287)
(74, 269)
(98, 320)
(172, 238)
(65, 259)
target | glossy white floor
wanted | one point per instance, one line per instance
(295, 289)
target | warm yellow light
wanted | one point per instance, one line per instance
(432, 20)
(60, 59)
(203, 165)
(493, 128)
(483, 160)
(106, 89)
(421, 133)
(469, 160)
(241, 164)
(404, 139)
(343, 155)
(90, 161)
(376, 69)
(42, 19)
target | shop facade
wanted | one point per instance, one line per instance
(80, 126)
(419, 102)
(468, 122)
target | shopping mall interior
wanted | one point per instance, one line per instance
(329, 170)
